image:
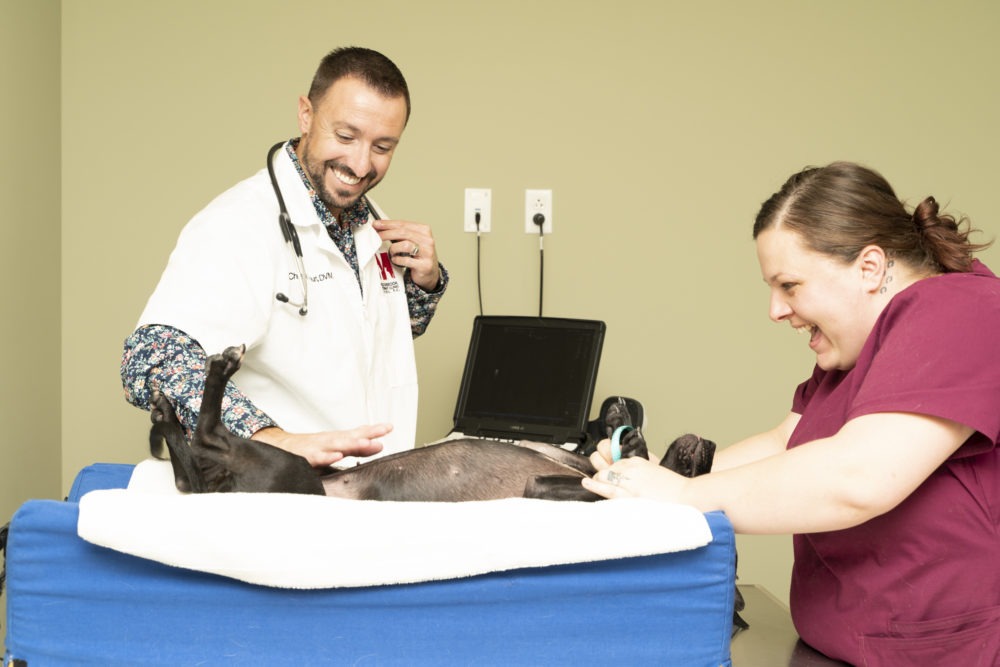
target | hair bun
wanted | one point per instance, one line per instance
(926, 213)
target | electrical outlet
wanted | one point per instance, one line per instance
(477, 200)
(537, 202)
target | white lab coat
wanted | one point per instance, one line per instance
(349, 362)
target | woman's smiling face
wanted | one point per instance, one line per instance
(820, 295)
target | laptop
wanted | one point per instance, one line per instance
(529, 378)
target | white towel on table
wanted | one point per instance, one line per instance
(301, 541)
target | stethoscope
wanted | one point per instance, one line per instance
(291, 237)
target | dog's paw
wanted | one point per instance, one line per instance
(227, 363)
(165, 425)
(634, 444)
(689, 455)
(616, 415)
(160, 410)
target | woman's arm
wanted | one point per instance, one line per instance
(866, 469)
(756, 447)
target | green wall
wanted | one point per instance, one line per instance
(659, 126)
(29, 256)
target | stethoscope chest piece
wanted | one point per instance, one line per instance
(290, 235)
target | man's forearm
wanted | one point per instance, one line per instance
(160, 357)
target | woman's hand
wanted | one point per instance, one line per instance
(632, 477)
(327, 447)
(601, 457)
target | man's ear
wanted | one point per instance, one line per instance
(305, 115)
(873, 265)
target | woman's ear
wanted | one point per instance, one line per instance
(874, 267)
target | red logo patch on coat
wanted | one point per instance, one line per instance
(385, 266)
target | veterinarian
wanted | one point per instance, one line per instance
(887, 468)
(327, 300)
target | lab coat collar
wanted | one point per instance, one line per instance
(303, 213)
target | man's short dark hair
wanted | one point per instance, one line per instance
(370, 66)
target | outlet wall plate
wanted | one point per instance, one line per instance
(478, 200)
(537, 202)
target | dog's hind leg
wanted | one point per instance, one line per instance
(167, 429)
(212, 443)
(218, 369)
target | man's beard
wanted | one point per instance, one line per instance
(335, 201)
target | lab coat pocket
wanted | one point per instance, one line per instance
(971, 639)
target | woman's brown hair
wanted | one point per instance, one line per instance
(840, 209)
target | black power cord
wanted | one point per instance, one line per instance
(539, 220)
(479, 273)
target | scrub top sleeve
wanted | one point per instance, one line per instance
(805, 391)
(935, 353)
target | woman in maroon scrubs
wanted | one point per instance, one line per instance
(886, 469)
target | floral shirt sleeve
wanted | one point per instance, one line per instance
(422, 304)
(162, 357)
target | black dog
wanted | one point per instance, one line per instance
(456, 470)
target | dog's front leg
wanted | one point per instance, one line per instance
(218, 369)
(231, 463)
(167, 429)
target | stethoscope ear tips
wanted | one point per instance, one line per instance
(303, 311)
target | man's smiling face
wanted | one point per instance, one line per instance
(348, 140)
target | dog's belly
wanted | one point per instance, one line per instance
(458, 470)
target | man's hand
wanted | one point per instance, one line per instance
(412, 247)
(327, 447)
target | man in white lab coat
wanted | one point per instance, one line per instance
(327, 301)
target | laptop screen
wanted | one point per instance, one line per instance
(529, 378)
